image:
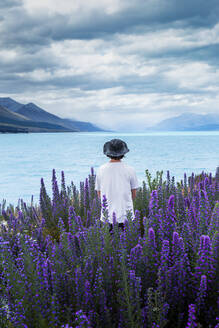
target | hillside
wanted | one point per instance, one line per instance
(10, 103)
(6, 114)
(81, 126)
(36, 114)
(189, 122)
(14, 122)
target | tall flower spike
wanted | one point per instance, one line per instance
(151, 236)
(105, 208)
(153, 204)
(202, 293)
(164, 267)
(171, 202)
(191, 317)
(114, 219)
(205, 262)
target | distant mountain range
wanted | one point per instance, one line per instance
(188, 122)
(17, 117)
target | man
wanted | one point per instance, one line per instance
(116, 181)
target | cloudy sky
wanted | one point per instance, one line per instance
(117, 63)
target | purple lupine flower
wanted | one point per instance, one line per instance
(155, 215)
(89, 219)
(168, 224)
(79, 285)
(71, 219)
(187, 202)
(151, 237)
(175, 238)
(171, 202)
(153, 204)
(193, 221)
(214, 220)
(82, 320)
(202, 293)
(185, 180)
(63, 187)
(136, 252)
(206, 182)
(88, 299)
(99, 294)
(35, 267)
(168, 183)
(135, 280)
(77, 245)
(135, 284)
(86, 197)
(105, 208)
(79, 222)
(204, 212)
(114, 219)
(55, 189)
(164, 267)
(191, 317)
(205, 262)
(179, 272)
(191, 182)
(137, 218)
(61, 225)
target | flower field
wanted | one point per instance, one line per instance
(61, 267)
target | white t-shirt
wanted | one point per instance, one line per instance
(115, 180)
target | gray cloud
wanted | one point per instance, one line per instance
(41, 28)
(9, 4)
(151, 58)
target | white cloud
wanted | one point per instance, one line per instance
(131, 77)
(167, 40)
(7, 55)
(76, 7)
(193, 75)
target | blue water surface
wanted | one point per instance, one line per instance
(25, 158)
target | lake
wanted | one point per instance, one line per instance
(25, 158)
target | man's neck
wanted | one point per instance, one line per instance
(115, 160)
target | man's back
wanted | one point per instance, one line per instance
(115, 180)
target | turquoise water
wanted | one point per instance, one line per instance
(25, 158)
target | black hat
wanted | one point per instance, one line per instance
(115, 148)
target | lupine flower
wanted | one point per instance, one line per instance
(164, 267)
(61, 267)
(82, 320)
(191, 317)
(202, 293)
(105, 208)
(135, 256)
(205, 263)
(151, 237)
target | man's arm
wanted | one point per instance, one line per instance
(133, 183)
(97, 184)
(133, 193)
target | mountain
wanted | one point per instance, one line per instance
(81, 126)
(14, 122)
(6, 114)
(10, 103)
(189, 122)
(36, 114)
